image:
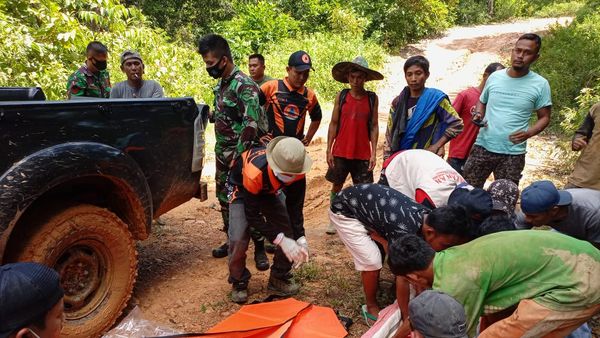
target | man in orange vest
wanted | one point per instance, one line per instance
(255, 200)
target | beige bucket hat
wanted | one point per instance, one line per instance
(287, 155)
(341, 70)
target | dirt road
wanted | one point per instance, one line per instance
(181, 286)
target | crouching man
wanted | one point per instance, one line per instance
(31, 301)
(255, 200)
(553, 279)
(366, 212)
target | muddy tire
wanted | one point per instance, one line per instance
(94, 253)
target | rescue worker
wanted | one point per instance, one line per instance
(255, 198)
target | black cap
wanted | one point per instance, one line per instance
(300, 60)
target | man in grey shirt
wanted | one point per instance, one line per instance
(135, 86)
(574, 212)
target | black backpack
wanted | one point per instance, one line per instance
(372, 97)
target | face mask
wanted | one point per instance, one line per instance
(214, 71)
(100, 65)
(285, 178)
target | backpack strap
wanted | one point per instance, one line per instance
(343, 95)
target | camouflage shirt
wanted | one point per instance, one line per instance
(237, 111)
(85, 83)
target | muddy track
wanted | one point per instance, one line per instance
(181, 286)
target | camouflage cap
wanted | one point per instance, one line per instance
(505, 194)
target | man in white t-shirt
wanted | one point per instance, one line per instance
(421, 175)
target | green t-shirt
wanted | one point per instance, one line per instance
(497, 271)
(265, 78)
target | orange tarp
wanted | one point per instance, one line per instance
(288, 318)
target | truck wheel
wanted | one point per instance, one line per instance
(95, 256)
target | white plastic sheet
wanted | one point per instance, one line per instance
(135, 326)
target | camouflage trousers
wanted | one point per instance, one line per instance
(222, 161)
(481, 163)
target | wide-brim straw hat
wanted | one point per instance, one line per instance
(287, 155)
(341, 70)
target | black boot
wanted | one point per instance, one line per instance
(260, 257)
(221, 251)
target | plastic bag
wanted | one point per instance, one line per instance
(135, 326)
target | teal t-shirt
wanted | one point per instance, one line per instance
(494, 272)
(509, 103)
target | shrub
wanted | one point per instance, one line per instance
(257, 25)
(571, 62)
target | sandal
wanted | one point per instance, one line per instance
(367, 316)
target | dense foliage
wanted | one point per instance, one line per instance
(571, 62)
(44, 42)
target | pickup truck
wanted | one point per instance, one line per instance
(81, 181)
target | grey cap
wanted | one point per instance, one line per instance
(130, 54)
(434, 314)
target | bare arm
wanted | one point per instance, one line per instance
(543, 115)
(333, 128)
(312, 129)
(402, 297)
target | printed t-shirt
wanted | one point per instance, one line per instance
(287, 108)
(149, 89)
(497, 271)
(414, 169)
(586, 173)
(509, 103)
(380, 208)
(464, 104)
(352, 140)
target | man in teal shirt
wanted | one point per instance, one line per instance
(552, 278)
(507, 101)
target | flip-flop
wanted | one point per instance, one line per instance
(367, 316)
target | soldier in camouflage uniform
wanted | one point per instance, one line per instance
(237, 116)
(91, 79)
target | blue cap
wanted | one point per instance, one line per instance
(300, 60)
(27, 291)
(541, 196)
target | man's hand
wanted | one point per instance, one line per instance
(306, 141)
(330, 161)
(519, 137)
(578, 143)
(303, 243)
(404, 329)
(294, 252)
(372, 161)
(440, 151)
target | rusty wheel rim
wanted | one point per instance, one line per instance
(83, 278)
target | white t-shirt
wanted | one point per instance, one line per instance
(421, 169)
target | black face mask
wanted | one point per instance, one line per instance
(100, 65)
(214, 71)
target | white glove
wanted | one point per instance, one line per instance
(294, 252)
(303, 243)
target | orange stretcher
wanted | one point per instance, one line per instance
(288, 318)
